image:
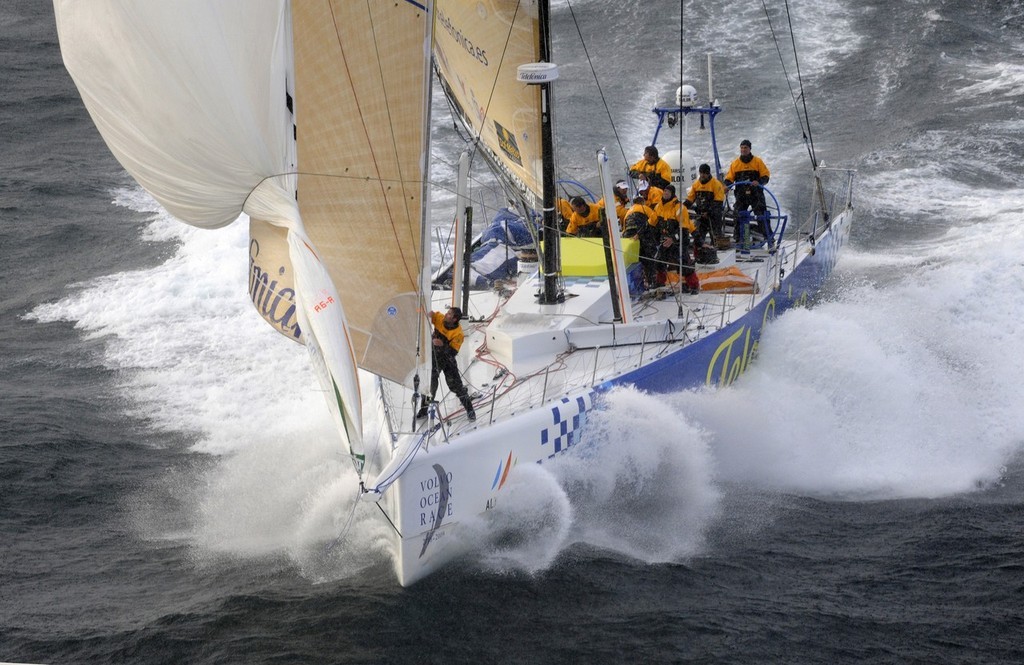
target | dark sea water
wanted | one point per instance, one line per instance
(169, 482)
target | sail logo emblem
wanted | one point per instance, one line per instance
(507, 143)
(502, 474)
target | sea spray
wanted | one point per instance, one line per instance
(904, 387)
(643, 482)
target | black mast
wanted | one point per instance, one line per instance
(552, 259)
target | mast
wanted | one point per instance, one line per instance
(462, 251)
(424, 289)
(552, 256)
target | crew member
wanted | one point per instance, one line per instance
(445, 343)
(585, 218)
(653, 166)
(676, 229)
(641, 222)
(707, 197)
(750, 169)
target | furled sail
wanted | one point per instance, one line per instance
(478, 48)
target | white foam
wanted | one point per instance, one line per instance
(903, 388)
(641, 485)
(527, 529)
(645, 484)
(1004, 79)
(191, 351)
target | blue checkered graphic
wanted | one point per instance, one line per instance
(566, 419)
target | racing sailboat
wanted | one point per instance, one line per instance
(313, 117)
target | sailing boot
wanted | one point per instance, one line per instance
(424, 405)
(468, 403)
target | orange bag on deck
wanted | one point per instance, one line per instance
(731, 278)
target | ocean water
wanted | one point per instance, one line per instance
(170, 490)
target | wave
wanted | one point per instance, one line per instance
(905, 386)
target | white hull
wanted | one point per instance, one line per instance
(536, 407)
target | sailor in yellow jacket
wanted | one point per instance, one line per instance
(751, 169)
(676, 228)
(585, 219)
(707, 198)
(653, 166)
(445, 343)
(671, 210)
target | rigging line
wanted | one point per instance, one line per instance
(681, 32)
(384, 513)
(348, 526)
(803, 97)
(604, 101)
(804, 129)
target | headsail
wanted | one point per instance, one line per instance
(195, 100)
(191, 98)
(362, 93)
(478, 47)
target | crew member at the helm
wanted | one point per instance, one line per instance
(749, 168)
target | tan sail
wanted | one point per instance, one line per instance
(478, 47)
(361, 120)
(272, 278)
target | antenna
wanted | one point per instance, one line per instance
(711, 91)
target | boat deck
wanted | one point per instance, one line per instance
(585, 347)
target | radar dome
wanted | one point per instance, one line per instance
(686, 96)
(684, 170)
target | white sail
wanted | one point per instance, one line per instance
(195, 99)
(190, 96)
(327, 338)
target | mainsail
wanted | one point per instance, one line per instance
(362, 92)
(478, 47)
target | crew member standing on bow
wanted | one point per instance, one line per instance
(751, 169)
(445, 342)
